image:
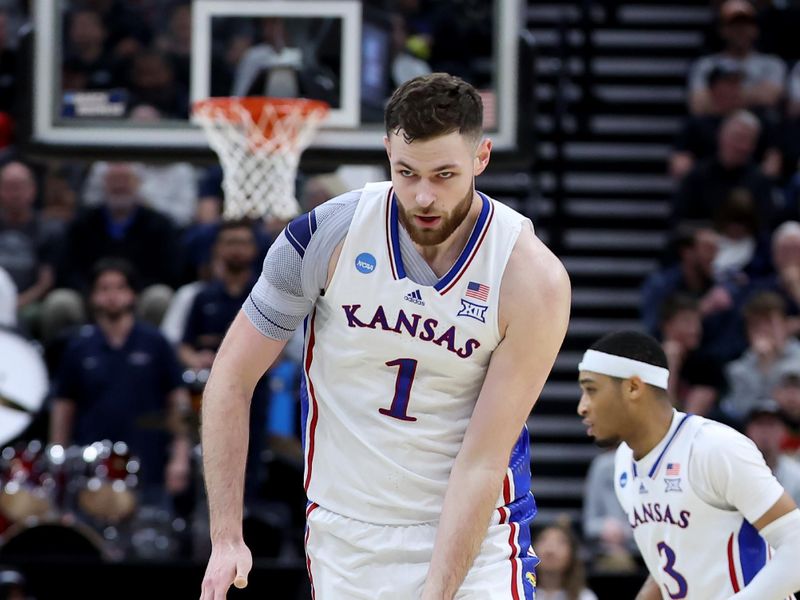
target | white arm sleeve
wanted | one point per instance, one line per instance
(736, 479)
(296, 267)
(780, 577)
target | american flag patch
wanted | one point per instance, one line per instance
(477, 291)
(673, 469)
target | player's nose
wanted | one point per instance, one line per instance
(424, 196)
(583, 406)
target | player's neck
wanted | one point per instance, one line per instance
(441, 257)
(650, 429)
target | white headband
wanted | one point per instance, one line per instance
(619, 366)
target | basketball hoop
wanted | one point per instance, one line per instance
(259, 141)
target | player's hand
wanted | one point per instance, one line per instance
(230, 563)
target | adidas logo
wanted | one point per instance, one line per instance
(642, 489)
(415, 297)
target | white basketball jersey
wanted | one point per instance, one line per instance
(693, 550)
(393, 369)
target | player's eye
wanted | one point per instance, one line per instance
(406, 173)
(446, 174)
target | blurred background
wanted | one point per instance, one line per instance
(655, 145)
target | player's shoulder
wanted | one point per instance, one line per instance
(533, 273)
(332, 216)
(623, 459)
(714, 441)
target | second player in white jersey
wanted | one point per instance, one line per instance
(708, 516)
(675, 506)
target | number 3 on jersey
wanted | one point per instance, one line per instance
(669, 554)
(402, 389)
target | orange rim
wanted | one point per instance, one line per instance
(254, 105)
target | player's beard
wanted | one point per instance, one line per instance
(450, 222)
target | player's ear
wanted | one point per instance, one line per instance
(482, 154)
(633, 388)
(387, 146)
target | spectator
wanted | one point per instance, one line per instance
(152, 81)
(710, 182)
(117, 372)
(8, 67)
(13, 585)
(697, 248)
(765, 425)
(787, 395)
(321, 188)
(273, 58)
(59, 202)
(695, 380)
(754, 375)
(86, 65)
(27, 245)
(763, 74)
(121, 226)
(216, 305)
(8, 300)
(127, 30)
(699, 133)
(743, 247)
(176, 41)
(170, 189)
(605, 525)
(794, 92)
(560, 575)
(409, 52)
(785, 278)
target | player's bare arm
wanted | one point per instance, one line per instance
(649, 590)
(244, 356)
(534, 311)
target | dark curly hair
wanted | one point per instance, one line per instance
(433, 105)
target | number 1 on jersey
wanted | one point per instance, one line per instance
(402, 389)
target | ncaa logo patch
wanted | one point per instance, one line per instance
(623, 479)
(365, 263)
(472, 310)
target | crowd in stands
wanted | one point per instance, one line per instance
(726, 301)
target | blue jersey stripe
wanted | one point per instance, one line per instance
(299, 232)
(752, 552)
(303, 393)
(473, 239)
(656, 464)
(293, 241)
(520, 464)
(395, 233)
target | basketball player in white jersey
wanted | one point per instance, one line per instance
(434, 316)
(709, 517)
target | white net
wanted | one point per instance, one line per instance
(259, 142)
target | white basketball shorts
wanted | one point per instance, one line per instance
(349, 559)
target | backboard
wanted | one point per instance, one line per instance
(349, 53)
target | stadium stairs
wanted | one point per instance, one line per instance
(610, 89)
